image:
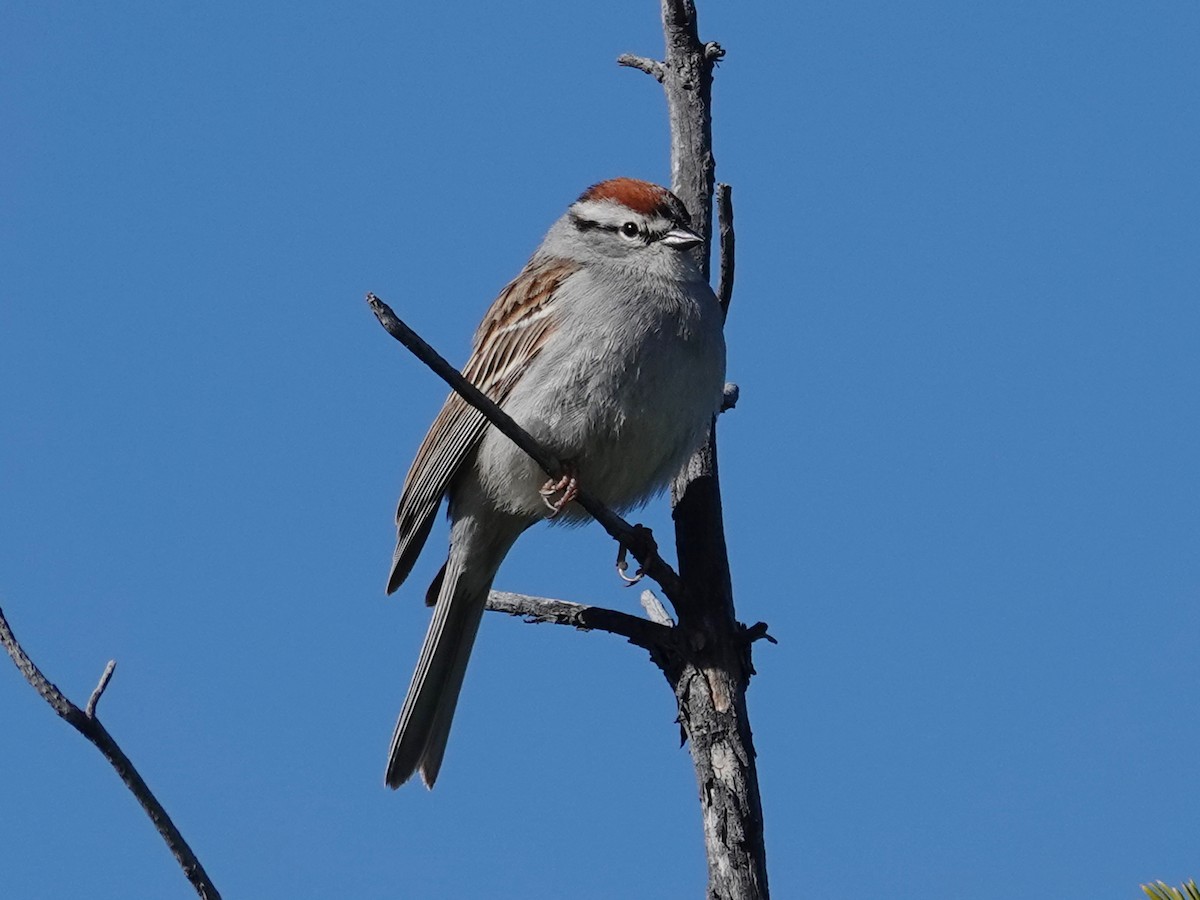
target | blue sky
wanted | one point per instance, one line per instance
(961, 484)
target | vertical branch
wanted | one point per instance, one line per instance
(727, 242)
(687, 80)
(695, 494)
(710, 682)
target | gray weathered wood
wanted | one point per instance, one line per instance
(711, 678)
(644, 633)
(85, 722)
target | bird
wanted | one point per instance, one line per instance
(608, 348)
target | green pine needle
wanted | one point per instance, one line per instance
(1162, 891)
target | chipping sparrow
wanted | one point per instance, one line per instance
(608, 349)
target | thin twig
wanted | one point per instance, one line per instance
(639, 631)
(725, 220)
(90, 727)
(651, 67)
(638, 539)
(105, 677)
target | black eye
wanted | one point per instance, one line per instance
(630, 229)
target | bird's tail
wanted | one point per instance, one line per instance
(424, 725)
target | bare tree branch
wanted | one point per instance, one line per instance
(725, 271)
(86, 723)
(725, 222)
(637, 538)
(651, 67)
(687, 83)
(642, 632)
(710, 685)
(105, 677)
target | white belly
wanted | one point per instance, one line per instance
(626, 414)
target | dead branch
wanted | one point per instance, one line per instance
(641, 632)
(725, 223)
(636, 538)
(710, 686)
(105, 678)
(651, 67)
(85, 722)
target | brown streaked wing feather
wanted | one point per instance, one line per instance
(512, 333)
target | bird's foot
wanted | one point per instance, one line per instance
(567, 485)
(645, 539)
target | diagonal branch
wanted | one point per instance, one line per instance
(639, 540)
(86, 723)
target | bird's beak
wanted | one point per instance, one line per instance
(681, 238)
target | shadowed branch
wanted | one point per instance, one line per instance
(725, 223)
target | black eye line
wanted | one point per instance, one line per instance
(592, 225)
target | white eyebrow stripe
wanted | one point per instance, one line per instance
(602, 210)
(610, 214)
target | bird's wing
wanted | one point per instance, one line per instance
(512, 333)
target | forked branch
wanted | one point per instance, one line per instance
(85, 722)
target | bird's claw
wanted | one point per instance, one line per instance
(623, 567)
(568, 484)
